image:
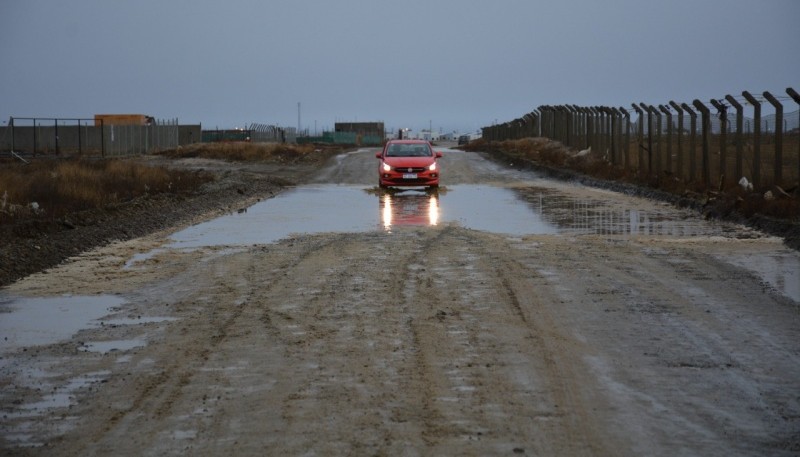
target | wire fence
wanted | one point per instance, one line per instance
(684, 141)
(83, 137)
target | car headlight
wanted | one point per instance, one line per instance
(386, 167)
(432, 167)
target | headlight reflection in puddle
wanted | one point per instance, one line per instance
(409, 209)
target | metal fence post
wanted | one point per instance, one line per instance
(692, 140)
(756, 137)
(778, 172)
(722, 111)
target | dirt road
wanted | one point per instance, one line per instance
(424, 340)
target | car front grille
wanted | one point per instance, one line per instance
(410, 169)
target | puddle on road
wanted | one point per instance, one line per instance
(104, 347)
(38, 321)
(26, 322)
(518, 211)
(62, 396)
(331, 208)
(781, 270)
(597, 217)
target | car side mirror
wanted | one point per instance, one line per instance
(438, 154)
(378, 155)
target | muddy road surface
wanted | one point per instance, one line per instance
(504, 315)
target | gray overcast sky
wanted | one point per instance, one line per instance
(458, 64)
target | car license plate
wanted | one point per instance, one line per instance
(409, 176)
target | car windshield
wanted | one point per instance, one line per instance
(408, 150)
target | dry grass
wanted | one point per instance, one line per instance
(244, 152)
(50, 189)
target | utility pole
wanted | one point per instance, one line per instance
(298, 118)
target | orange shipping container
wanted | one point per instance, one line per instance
(121, 119)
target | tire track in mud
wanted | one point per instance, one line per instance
(560, 357)
(459, 383)
(151, 398)
(303, 314)
(379, 349)
(673, 319)
(497, 307)
(432, 341)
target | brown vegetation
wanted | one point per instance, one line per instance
(52, 189)
(246, 152)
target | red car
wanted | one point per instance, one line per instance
(408, 163)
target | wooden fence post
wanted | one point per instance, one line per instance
(668, 113)
(616, 134)
(722, 111)
(706, 125)
(659, 132)
(649, 138)
(627, 148)
(756, 137)
(796, 97)
(739, 141)
(679, 110)
(778, 171)
(692, 140)
(640, 135)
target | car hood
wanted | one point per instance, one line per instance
(409, 161)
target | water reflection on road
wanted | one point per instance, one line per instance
(332, 208)
(525, 210)
(409, 209)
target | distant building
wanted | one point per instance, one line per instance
(369, 129)
(428, 135)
